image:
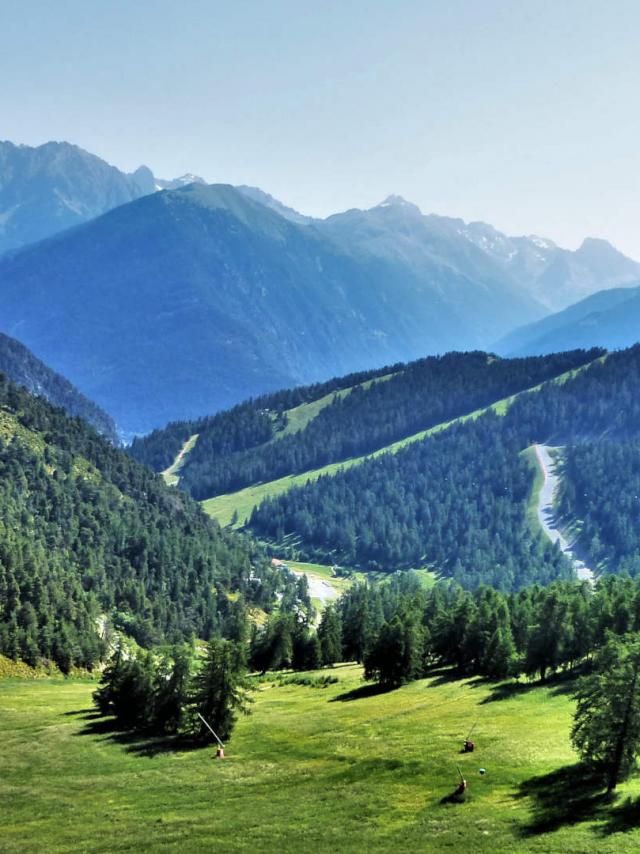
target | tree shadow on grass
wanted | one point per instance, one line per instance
(372, 689)
(444, 675)
(87, 714)
(565, 797)
(140, 743)
(622, 818)
(560, 683)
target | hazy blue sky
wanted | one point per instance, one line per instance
(523, 113)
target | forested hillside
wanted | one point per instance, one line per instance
(251, 443)
(90, 541)
(458, 500)
(601, 490)
(244, 426)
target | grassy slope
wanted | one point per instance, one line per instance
(304, 773)
(171, 475)
(532, 507)
(300, 416)
(242, 502)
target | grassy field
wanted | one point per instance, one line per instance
(338, 769)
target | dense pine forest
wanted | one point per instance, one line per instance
(249, 444)
(244, 426)
(458, 500)
(91, 541)
(421, 395)
(601, 489)
(400, 630)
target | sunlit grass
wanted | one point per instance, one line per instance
(305, 772)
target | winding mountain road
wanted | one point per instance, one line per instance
(546, 512)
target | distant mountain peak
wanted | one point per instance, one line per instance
(593, 246)
(176, 183)
(395, 201)
(189, 178)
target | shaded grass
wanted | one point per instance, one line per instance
(304, 773)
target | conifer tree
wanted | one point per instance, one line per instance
(220, 689)
(606, 729)
(330, 635)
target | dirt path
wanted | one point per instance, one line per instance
(547, 515)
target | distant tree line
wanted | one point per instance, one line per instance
(400, 631)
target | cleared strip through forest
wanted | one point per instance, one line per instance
(170, 475)
(235, 508)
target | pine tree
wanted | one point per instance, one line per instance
(330, 635)
(171, 691)
(219, 689)
(606, 729)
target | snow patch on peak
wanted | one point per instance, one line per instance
(395, 201)
(188, 178)
(541, 242)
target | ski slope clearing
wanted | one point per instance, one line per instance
(171, 475)
(547, 461)
(235, 508)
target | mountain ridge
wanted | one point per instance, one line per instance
(609, 318)
(191, 300)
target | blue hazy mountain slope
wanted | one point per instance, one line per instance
(55, 186)
(609, 319)
(187, 301)
(19, 364)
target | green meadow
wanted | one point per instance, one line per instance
(336, 769)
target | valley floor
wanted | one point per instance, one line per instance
(336, 769)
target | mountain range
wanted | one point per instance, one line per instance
(187, 301)
(51, 187)
(167, 300)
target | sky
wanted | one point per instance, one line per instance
(522, 113)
